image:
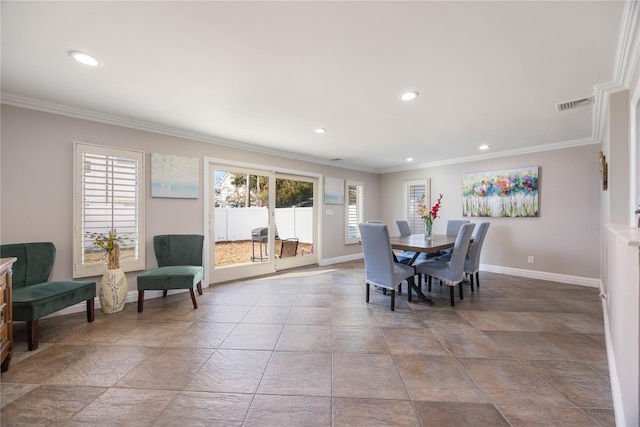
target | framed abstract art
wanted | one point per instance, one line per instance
(503, 193)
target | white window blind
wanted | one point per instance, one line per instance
(354, 212)
(413, 191)
(109, 194)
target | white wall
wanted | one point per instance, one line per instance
(564, 239)
(621, 263)
(36, 183)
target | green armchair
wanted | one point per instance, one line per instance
(180, 266)
(33, 295)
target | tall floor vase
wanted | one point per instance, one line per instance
(113, 291)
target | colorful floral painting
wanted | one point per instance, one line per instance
(506, 193)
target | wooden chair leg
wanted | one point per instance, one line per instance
(452, 293)
(199, 286)
(140, 301)
(32, 334)
(429, 284)
(471, 281)
(393, 300)
(410, 283)
(461, 296)
(90, 310)
(478, 279)
(193, 298)
(367, 292)
(164, 293)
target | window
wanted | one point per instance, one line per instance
(108, 194)
(413, 191)
(354, 212)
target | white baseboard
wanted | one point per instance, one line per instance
(542, 275)
(616, 395)
(132, 296)
(338, 260)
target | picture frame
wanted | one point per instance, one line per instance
(333, 191)
(503, 193)
(175, 176)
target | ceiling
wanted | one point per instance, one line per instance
(263, 75)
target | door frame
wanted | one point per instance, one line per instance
(207, 224)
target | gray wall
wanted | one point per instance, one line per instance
(36, 179)
(564, 239)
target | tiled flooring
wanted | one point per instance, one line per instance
(302, 348)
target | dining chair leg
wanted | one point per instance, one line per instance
(478, 278)
(367, 292)
(410, 284)
(451, 292)
(471, 281)
(461, 296)
(429, 283)
(393, 300)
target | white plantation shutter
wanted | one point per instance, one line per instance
(413, 191)
(354, 212)
(109, 194)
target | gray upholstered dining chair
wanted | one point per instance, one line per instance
(380, 269)
(179, 259)
(472, 260)
(403, 229)
(454, 225)
(450, 272)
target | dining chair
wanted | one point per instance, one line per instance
(450, 272)
(453, 226)
(380, 269)
(472, 260)
(403, 229)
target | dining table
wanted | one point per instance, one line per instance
(418, 243)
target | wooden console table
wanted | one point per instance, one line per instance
(6, 312)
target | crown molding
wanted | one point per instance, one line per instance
(628, 51)
(602, 92)
(498, 154)
(84, 114)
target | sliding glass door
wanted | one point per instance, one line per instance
(259, 221)
(295, 221)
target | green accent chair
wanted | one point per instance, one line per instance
(33, 295)
(179, 259)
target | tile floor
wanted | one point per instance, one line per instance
(302, 348)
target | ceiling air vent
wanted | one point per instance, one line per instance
(576, 103)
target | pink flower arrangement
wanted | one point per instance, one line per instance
(428, 215)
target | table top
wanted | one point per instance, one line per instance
(417, 243)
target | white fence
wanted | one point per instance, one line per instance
(236, 223)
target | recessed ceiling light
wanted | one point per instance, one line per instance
(84, 58)
(320, 130)
(408, 96)
(484, 147)
(409, 159)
